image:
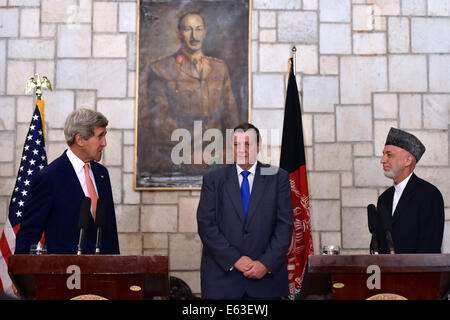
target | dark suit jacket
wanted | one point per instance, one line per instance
(418, 220)
(54, 207)
(265, 236)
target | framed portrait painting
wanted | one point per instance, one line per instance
(193, 79)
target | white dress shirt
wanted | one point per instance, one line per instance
(250, 177)
(78, 166)
(399, 188)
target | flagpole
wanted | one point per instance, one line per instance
(294, 51)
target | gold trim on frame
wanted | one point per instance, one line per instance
(386, 296)
(136, 97)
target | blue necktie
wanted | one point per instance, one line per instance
(245, 192)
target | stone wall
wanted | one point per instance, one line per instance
(362, 65)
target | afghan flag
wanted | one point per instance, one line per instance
(293, 160)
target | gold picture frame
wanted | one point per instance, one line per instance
(183, 91)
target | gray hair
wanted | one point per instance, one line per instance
(83, 121)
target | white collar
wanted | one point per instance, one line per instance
(401, 186)
(77, 163)
(252, 169)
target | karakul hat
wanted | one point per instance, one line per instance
(407, 141)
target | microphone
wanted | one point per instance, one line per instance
(83, 221)
(372, 217)
(100, 220)
(386, 225)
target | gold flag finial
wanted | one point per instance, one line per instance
(39, 84)
(294, 51)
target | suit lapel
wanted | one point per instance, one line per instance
(233, 190)
(257, 192)
(99, 179)
(404, 199)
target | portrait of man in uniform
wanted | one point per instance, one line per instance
(193, 76)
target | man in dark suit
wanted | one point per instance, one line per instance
(245, 222)
(413, 209)
(58, 190)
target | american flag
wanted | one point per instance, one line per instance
(33, 160)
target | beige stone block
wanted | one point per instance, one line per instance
(128, 159)
(268, 119)
(335, 38)
(360, 77)
(120, 113)
(446, 238)
(439, 74)
(335, 10)
(159, 218)
(192, 279)
(429, 35)
(268, 91)
(381, 130)
(58, 105)
(385, 106)
(85, 99)
(313, 98)
(307, 60)
(436, 154)
(25, 108)
(368, 172)
(159, 252)
(10, 22)
(329, 65)
(131, 84)
(268, 19)
(160, 197)
(110, 45)
(127, 17)
(105, 17)
(18, 74)
(130, 244)
(6, 170)
(307, 130)
(48, 30)
(3, 211)
(2, 66)
(184, 251)
(354, 123)
(274, 57)
(6, 186)
(112, 154)
(316, 242)
(281, 4)
(7, 112)
(7, 146)
(398, 35)
(310, 4)
(32, 49)
(369, 43)
(107, 76)
(55, 135)
(436, 176)
(325, 215)
(346, 179)
(410, 111)
(355, 232)
(84, 12)
(187, 211)
(333, 157)
(46, 68)
(324, 128)
(358, 197)
(414, 7)
(363, 149)
(297, 26)
(74, 42)
(127, 218)
(439, 8)
(267, 35)
(156, 241)
(115, 175)
(330, 239)
(129, 195)
(55, 150)
(363, 18)
(407, 73)
(386, 7)
(128, 137)
(58, 11)
(436, 111)
(29, 22)
(323, 185)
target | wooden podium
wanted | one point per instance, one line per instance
(401, 276)
(112, 277)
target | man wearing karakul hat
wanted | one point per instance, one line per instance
(413, 207)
